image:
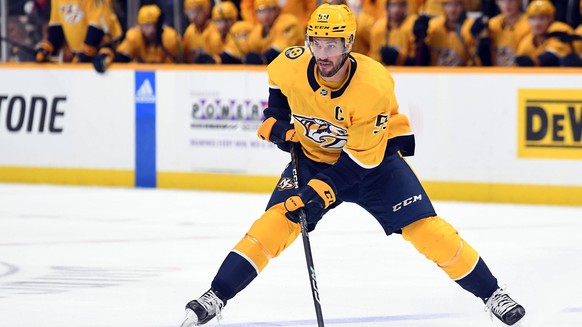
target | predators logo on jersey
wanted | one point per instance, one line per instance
(72, 14)
(322, 132)
(294, 52)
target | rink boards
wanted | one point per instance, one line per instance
(501, 135)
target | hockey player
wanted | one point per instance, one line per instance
(236, 48)
(197, 36)
(539, 48)
(224, 15)
(81, 26)
(275, 32)
(353, 139)
(391, 40)
(498, 37)
(445, 40)
(149, 42)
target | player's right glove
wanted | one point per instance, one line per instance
(420, 27)
(102, 60)
(315, 196)
(269, 132)
(43, 51)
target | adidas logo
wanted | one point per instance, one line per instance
(145, 93)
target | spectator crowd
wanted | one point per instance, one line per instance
(394, 32)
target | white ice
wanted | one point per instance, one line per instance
(88, 256)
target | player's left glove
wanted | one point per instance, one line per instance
(315, 196)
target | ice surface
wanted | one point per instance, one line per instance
(88, 256)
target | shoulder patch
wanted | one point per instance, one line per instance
(294, 52)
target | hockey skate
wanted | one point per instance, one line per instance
(201, 311)
(504, 307)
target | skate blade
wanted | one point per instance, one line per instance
(191, 319)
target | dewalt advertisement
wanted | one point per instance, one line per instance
(549, 123)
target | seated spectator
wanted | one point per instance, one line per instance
(236, 48)
(275, 32)
(82, 29)
(223, 17)
(497, 38)
(391, 39)
(196, 39)
(445, 40)
(545, 45)
(149, 42)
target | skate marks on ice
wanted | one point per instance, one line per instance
(59, 279)
(345, 321)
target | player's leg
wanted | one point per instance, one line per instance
(398, 201)
(441, 243)
(269, 235)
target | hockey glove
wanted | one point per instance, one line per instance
(316, 196)
(265, 132)
(420, 27)
(43, 51)
(524, 61)
(389, 55)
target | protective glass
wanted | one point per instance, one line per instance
(324, 47)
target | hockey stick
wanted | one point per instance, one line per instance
(306, 243)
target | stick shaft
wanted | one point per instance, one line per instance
(306, 243)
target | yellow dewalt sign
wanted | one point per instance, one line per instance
(549, 124)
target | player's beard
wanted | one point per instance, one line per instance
(330, 67)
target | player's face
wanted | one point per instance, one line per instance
(453, 10)
(148, 31)
(197, 15)
(329, 54)
(397, 11)
(267, 15)
(223, 25)
(539, 23)
(509, 7)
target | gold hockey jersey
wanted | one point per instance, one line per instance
(75, 16)
(400, 38)
(450, 47)
(358, 117)
(135, 47)
(530, 47)
(285, 32)
(506, 38)
(196, 42)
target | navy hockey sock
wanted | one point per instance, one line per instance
(234, 274)
(480, 281)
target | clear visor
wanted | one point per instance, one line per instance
(324, 47)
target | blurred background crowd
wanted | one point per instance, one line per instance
(394, 32)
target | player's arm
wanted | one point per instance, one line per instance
(277, 127)
(55, 37)
(365, 149)
(98, 13)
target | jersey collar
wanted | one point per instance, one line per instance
(315, 85)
